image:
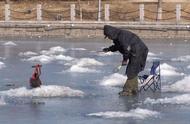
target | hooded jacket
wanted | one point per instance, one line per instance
(130, 46)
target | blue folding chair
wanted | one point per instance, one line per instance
(151, 81)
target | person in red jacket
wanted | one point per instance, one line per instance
(35, 79)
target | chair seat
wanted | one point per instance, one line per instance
(151, 81)
(148, 80)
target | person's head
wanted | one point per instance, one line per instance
(38, 65)
(111, 32)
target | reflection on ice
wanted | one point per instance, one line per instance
(137, 113)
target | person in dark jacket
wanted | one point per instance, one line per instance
(35, 79)
(134, 53)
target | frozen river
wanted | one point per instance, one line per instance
(79, 86)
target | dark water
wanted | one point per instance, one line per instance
(97, 98)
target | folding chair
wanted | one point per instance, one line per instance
(152, 81)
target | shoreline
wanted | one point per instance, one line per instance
(146, 30)
(84, 39)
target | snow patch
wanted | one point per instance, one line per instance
(2, 101)
(77, 68)
(80, 49)
(82, 65)
(137, 113)
(47, 56)
(107, 53)
(151, 54)
(88, 62)
(188, 67)
(179, 86)
(9, 43)
(182, 58)
(115, 79)
(43, 91)
(169, 70)
(53, 51)
(2, 65)
(41, 58)
(180, 99)
(2, 58)
(48, 59)
(27, 54)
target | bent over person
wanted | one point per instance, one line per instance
(134, 53)
(35, 79)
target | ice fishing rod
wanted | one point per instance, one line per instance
(117, 68)
(101, 51)
(37, 65)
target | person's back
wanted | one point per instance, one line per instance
(134, 53)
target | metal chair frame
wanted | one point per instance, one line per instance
(152, 81)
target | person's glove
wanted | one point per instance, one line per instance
(105, 50)
(124, 62)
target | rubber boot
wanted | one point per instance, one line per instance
(130, 88)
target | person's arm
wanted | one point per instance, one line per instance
(125, 60)
(126, 55)
(112, 48)
(39, 71)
